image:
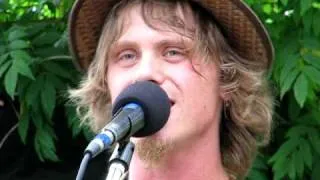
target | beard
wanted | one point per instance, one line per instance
(153, 151)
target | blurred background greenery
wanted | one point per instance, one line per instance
(36, 70)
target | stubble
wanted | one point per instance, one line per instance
(152, 151)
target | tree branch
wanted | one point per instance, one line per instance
(3, 140)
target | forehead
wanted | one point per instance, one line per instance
(165, 17)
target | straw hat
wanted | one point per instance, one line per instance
(244, 31)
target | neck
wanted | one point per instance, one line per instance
(201, 160)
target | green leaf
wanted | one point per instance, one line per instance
(37, 147)
(316, 24)
(56, 81)
(33, 91)
(57, 70)
(300, 163)
(46, 38)
(315, 175)
(10, 81)
(293, 108)
(315, 141)
(16, 34)
(46, 52)
(259, 163)
(48, 99)
(312, 60)
(284, 150)
(311, 43)
(307, 119)
(301, 89)
(23, 126)
(297, 131)
(24, 83)
(18, 44)
(257, 175)
(47, 135)
(73, 121)
(3, 58)
(20, 54)
(312, 73)
(316, 118)
(307, 22)
(36, 28)
(305, 5)
(291, 77)
(23, 68)
(280, 168)
(291, 63)
(284, 2)
(4, 67)
(45, 142)
(63, 41)
(291, 164)
(307, 154)
(2, 49)
(67, 4)
(3, 5)
(267, 8)
(36, 116)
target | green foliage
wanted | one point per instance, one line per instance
(259, 169)
(295, 31)
(35, 70)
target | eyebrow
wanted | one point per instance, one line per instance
(175, 42)
(125, 43)
(164, 42)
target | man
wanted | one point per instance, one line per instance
(209, 56)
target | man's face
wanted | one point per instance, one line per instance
(142, 53)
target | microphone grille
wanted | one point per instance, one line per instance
(153, 100)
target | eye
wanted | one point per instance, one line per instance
(174, 54)
(127, 57)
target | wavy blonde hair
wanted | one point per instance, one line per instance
(248, 109)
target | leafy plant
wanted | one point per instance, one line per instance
(295, 30)
(36, 70)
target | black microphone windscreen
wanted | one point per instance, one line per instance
(153, 100)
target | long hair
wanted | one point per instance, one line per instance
(247, 114)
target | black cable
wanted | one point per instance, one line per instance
(83, 166)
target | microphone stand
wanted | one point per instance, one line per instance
(120, 160)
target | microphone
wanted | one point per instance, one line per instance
(140, 110)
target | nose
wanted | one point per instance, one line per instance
(150, 68)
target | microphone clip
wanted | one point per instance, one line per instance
(120, 160)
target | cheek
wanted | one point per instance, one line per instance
(180, 74)
(117, 81)
(202, 90)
